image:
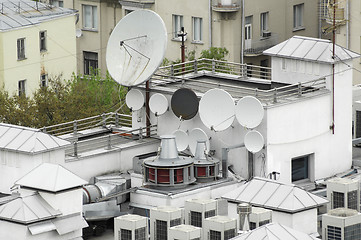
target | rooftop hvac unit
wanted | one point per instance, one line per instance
(161, 219)
(343, 193)
(219, 227)
(130, 227)
(259, 217)
(341, 224)
(184, 232)
(196, 210)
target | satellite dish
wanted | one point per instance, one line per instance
(158, 104)
(181, 139)
(78, 33)
(196, 135)
(254, 141)
(134, 99)
(136, 47)
(184, 103)
(216, 109)
(249, 112)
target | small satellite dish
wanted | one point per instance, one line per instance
(184, 103)
(158, 104)
(254, 141)
(134, 99)
(196, 135)
(249, 112)
(216, 109)
(78, 33)
(136, 47)
(181, 139)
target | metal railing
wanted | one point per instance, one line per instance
(258, 46)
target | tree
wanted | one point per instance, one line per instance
(215, 53)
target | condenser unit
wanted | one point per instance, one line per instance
(196, 210)
(219, 227)
(259, 217)
(343, 193)
(185, 232)
(130, 227)
(161, 219)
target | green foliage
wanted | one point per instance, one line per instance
(62, 101)
(215, 53)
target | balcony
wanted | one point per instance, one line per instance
(226, 5)
(255, 48)
(137, 3)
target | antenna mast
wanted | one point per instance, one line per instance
(183, 54)
(333, 66)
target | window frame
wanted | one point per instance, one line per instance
(44, 79)
(264, 23)
(42, 41)
(21, 54)
(93, 17)
(177, 24)
(298, 17)
(197, 26)
(22, 87)
(308, 173)
(87, 60)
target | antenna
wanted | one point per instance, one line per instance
(249, 112)
(182, 34)
(196, 135)
(158, 104)
(184, 103)
(181, 139)
(253, 141)
(134, 99)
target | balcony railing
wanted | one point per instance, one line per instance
(226, 5)
(258, 46)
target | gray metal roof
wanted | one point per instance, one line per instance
(310, 49)
(16, 14)
(50, 177)
(28, 140)
(27, 209)
(270, 194)
(274, 231)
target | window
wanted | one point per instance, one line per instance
(90, 17)
(196, 219)
(352, 200)
(228, 234)
(90, 62)
(300, 168)
(21, 48)
(44, 80)
(248, 32)
(210, 213)
(57, 3)
(215, 235)
(125, 234)
(140, 233)
(338, 200)
(161, 231)
(353, 232)
(21, 87)
(42, 40)
(298, 16)
(197, 29)
(177, 25)
(333, 233)
(264, 23)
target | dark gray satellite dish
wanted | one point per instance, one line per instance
(184, 103)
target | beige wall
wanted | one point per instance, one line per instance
(59, 59)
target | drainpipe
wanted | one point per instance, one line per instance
(210, 23)
(242, 38)
(347, 24)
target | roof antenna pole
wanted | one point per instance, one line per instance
(333, 66)
(183, 57)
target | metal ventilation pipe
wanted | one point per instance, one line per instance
(244, 210)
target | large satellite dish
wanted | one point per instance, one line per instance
(196, 135)
(158, 104)
(134, 99)
(181, 139)
(254, 141)
(249, 112)
(136, 47)
(184, 103)
(216, 109)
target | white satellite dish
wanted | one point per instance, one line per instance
(194, 136)
(181, 139)
(216, 109)
(78, 33)
(158, 104)
(134, 99)
(254, 141)
(136, 47)
(249, 112)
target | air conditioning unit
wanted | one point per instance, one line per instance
(259, 217)
(161, 219)
(130, 227)
(185, 232)
(266, 34)
(343, 193)
(219, 227)
(341, 224)
(196, 210)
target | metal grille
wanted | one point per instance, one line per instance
(210, 213)
(215, 235)
(353, 232)
(175, 222)
(161, 231)
(125, 234)
(252, 225)
(358, 124)
(263, 222)
(140, 233)
(196, 219)
(333, 233)
(338, 200)
(228, 234)
(352, 200)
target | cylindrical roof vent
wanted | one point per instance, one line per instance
(168, 147)
(244, 210)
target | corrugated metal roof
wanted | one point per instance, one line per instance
(274, 231)
(28, 140)
(270, 194)
(50, 177)
(310, 49)
(27, 209)
(16, 14)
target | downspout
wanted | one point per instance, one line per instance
(242, 38)
(210, 23)
(320, 14)
(347, 24)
